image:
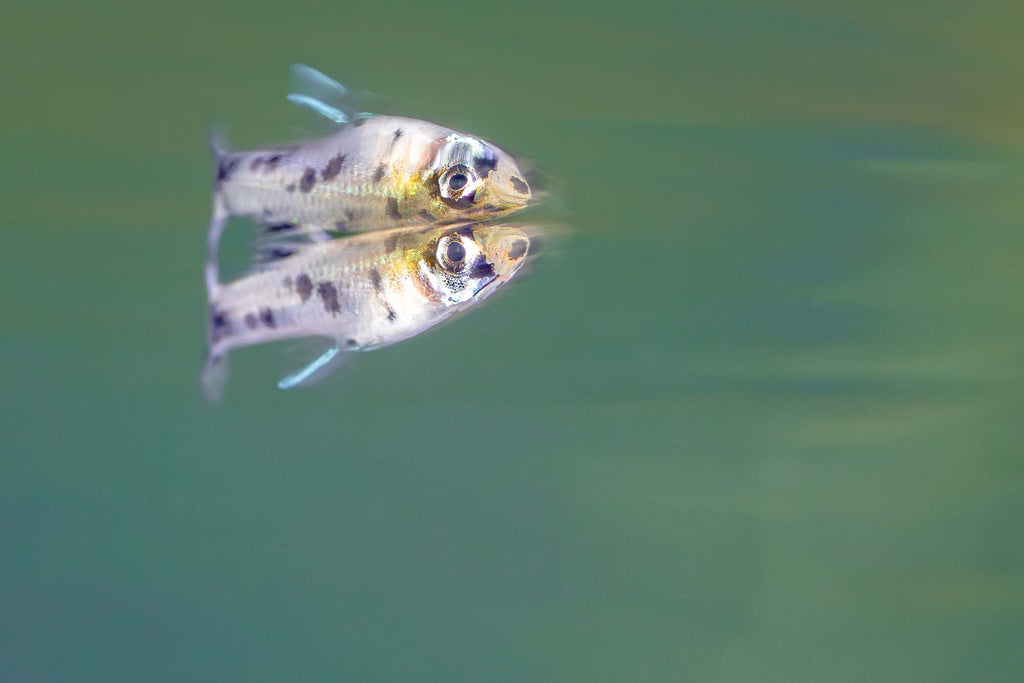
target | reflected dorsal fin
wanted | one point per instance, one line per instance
(283, 240)
(324, 365)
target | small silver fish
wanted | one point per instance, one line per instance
(372, 173)
(362, 292)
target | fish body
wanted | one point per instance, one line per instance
(363, 291)
(383, 172)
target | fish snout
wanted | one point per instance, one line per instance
(508, 249)
(508, 186)
(519, 188)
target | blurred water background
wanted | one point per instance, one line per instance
(759, 419)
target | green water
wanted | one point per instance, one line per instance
(757, 419)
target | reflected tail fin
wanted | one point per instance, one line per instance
(214, 376)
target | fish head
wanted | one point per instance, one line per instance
(466, 264)
(471, 179)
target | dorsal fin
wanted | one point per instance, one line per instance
(333, 104)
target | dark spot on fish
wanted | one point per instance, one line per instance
(333, 167)
(485, 164)
(304, 286)
(280, 227)
(350, 214)
(267, 317)
(250, 321)
(378, 175)
(465, 232)
(518, 249)
(391, 243)
(308, 180)
(519, 185)
(425, 216)
(398, 133)
(351, 343)
(392, 208)
(375, 279)
(482, 268)
(220, 326)
(290, 187)
(341, 226)
(329, 295)
(270, 162)
(288, 283)
(391, 314)
(489, 208)
(226, 166)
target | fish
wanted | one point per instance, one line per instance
(370, 173)
(360, 293)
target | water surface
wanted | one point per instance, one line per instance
(757, 418)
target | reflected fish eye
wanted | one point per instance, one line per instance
(456, 253)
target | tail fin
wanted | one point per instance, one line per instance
(215, 369)
(223, 164)
(217, 140)
(211, 270)
(214, 375)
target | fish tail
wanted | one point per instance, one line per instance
(224, 161)
(223, 165)
(214, 375)
(218, 220)
(217, 140)
(215, 370)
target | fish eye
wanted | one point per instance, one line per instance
(458, 183)
(456, 253)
